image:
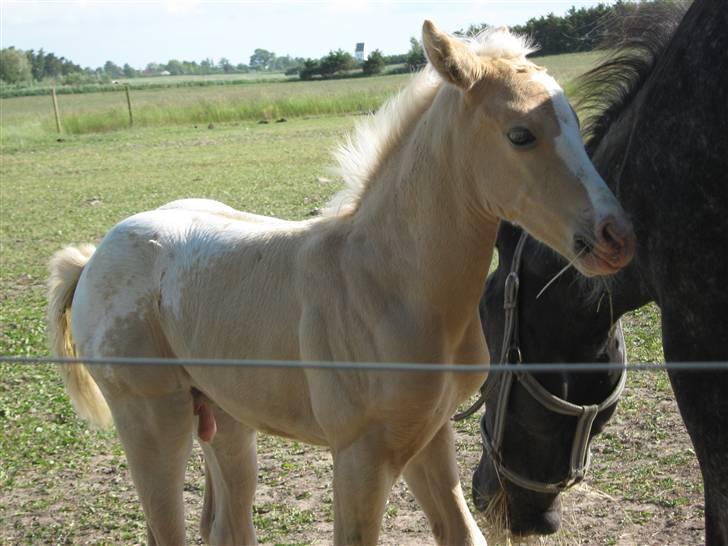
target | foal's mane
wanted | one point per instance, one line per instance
(635, 41)
(362, 154)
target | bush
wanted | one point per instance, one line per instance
(14, 66)
(336, 61)
(310, 69)
(374, 63)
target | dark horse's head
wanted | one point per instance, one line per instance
(541, 446)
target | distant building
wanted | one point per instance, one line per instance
(359, 51)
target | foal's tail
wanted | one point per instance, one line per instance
(65, 270)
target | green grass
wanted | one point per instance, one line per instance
(22, 117)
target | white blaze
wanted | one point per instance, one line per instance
(570, 148)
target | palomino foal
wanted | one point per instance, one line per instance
(394, 274)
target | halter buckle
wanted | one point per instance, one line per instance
(514, 355)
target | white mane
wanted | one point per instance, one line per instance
(363, 151)
(501, 43)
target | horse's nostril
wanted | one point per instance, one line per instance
(582, 246)
(610, 234)
(615, 240)
(614, 234)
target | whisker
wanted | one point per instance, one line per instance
(611, 302)
(599, 303)
(567, 266)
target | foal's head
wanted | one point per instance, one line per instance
(519, 151)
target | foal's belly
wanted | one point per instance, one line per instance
(275, 401)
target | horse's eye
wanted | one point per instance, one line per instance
(520, 136)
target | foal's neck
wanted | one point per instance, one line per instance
(418, 208)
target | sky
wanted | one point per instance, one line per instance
(90, 32)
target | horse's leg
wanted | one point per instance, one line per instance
(703, 403)
(363, 479)
(152, 410)
(157, 437)
(432, 475)
(230, 479)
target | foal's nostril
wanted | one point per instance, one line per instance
(616, 237)
(582, 246)
(609, 233)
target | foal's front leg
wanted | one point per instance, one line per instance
(432, 475)
(363, 479)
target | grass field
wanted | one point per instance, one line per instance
(63, 484)
(99, 112)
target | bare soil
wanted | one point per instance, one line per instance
(643, 490)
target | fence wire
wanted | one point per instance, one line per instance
(417, 367)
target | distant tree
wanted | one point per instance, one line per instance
(261, 59)
(129, 72)
(285, 63)
(152, 69)
(242, 68)
(190, 67)
(207, 66)
(416, 56)
(37, 62)
(310, 68)
(401, 58)
(336, 61)
(374, 63)
(14, 66)
(174, 67)
(113, 70)
(225, 65)
(53, 67)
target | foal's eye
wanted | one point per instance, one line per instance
(520, 136)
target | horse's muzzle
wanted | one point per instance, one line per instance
(610, 249)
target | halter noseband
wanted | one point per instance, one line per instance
(580, 458)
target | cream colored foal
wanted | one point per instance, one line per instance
(393, 273)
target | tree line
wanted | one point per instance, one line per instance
(580, 29)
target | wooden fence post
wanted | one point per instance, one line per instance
(128, 102)
(55, 109)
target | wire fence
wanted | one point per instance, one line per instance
(417, 367)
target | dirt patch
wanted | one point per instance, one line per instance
(643, 489)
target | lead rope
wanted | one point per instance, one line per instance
(510, 330)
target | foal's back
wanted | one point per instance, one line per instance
(195, 274)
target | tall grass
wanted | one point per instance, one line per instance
(32, 117)
(217, 111)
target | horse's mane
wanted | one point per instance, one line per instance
(635, 42)
(364, 151)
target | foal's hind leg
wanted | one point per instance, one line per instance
(230, 479)
(432, 475)
(157, 437)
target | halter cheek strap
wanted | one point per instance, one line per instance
(580, 457)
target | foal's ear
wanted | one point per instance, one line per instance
(452, 59)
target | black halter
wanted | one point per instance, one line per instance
(503, 381)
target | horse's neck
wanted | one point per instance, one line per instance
(417, 209)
